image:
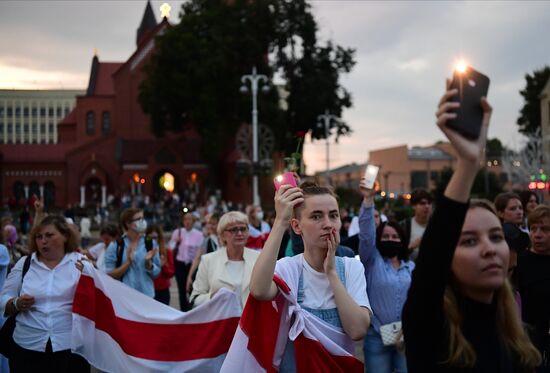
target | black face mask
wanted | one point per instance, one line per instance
(389, 249)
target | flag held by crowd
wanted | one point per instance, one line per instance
(119, 329)
(265, 328)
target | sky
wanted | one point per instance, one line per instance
(404, 52)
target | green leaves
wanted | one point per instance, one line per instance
(529, 119)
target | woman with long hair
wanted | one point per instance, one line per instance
(460, 315)
(162, 282)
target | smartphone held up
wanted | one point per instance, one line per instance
(286, 178)
(370, 175)
(472, 86)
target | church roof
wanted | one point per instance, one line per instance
(148, 22)
(101, 77)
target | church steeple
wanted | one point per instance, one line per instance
(148, 22)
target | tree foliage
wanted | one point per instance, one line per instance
(530, 117)
(193, 79)
(486, 184)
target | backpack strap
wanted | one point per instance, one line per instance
(119, 251)
(26, 266)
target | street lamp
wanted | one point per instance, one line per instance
(324, 120)
(254, 80)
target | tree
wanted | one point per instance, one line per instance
(193, 78)
(521, 165)
(482, 184)
(530, 118)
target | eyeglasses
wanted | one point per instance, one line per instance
(236, 230)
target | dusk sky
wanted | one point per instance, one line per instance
(404, 51)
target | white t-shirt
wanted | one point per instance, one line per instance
(417, 230)
(317, 291)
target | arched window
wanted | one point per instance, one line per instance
(106, 123)
(90, 123)
(34, 189)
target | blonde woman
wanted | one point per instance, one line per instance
(228, 267)
(460, 315)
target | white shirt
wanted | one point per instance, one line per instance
(51, 315)
(235, 270)
(98, 253)
(317, 291)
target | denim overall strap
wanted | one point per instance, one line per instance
(329, 315)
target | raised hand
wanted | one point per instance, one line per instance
(333, 241)
(467, 149)
(286, 198)
(368, 194)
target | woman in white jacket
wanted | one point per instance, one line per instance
(230, 266)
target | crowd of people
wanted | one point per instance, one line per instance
(462, 285)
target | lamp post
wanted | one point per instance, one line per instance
(324, 120)
(254, 80)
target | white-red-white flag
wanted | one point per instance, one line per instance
(118, 329)
(266, 326)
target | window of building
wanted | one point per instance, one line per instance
(18, 190)
(2, 111)
(90, 123)
(34, 112)
(106, 123)
(66, 111)
(42, 128)
(34, 129)
(49, 193)
(419, 179)
(17, 112)
(42, 112)
(58, 111)
(50, 112)
(10, 112)
(10, 128)
(26, 112)
(50, 128)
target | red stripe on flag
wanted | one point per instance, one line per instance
(161, 342)
(312, 357)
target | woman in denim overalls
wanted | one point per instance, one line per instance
(322, 285)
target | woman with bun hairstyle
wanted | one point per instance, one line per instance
(460, 314)
(328, 287)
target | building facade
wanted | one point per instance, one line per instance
(31, 116)
(104, 146)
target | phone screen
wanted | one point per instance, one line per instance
(370, 175)
(471, 85)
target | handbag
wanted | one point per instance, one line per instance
(6, 332)
(391, 333)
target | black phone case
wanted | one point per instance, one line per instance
(471, 85)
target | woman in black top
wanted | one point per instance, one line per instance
(460, 314)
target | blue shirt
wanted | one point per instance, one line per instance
(387, 286)
(137, 276)
(4, 262)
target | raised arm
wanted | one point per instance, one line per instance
(367, 227)
(262, 286)
(423, 312)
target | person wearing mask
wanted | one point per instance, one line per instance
(209, 245)
(42, 300)
(96, 253)
(257, 227)
(162, 282)
(131, 259)
(383, 252)
(325, 286)
(421, 203)
(185, 243)
(460, 314)
(228, 267)
(534, 283)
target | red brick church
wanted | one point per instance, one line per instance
(105, 146)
